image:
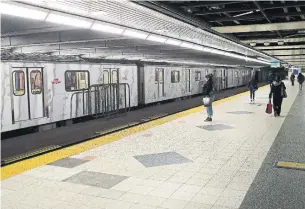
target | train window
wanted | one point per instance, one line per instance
(106, 77)
(175, 76)
(236, 74)
(114, 76)
(36, 82)
(206, 72)
(76, 80)
(197, 76)
(156, 75)
(19, 84)
(161, 75)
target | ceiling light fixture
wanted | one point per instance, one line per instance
(187, 45)
(107, 28)
(280, 43)
(156, 38)
(69, 20)
(22, 11)
(242, 14)
(252, 44)
(266, 43)
(135, 34)
(173, 42)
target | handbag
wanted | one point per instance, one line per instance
(206, 101)
(269, 108)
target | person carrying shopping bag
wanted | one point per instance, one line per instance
(278, 91)
(208, 96)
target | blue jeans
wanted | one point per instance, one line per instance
(209, 108)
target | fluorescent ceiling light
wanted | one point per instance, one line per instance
(108, 28)
(135, 34)
(234, 55)
(246, 13)
(263, 59)
(187, 45)
(156, 38)
(173, 42)
(266, 43)
(198, 47)
(280, 43)
(215, 51)
(22, 11)
(252, 44)
(69, 20)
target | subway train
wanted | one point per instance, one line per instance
(46, 94)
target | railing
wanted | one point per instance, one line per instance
(101, 100)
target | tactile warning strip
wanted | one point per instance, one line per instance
(290, 165)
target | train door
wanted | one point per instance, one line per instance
(111, 91)
(159, 80)
(187, 80)
(28, 94)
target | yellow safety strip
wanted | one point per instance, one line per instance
(28, 164)
(291, 165)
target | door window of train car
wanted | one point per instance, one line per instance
(175, 76)
(206, 72)
(156, 75)
(36, 82)
(236, 74)
(197, 76)
(114, 77)
(19, 83)
(76, 80)
(106, 76)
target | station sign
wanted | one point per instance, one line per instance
(275, 64)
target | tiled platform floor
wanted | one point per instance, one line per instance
(182, 164)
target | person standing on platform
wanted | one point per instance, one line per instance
(301, 80)
(278, 91)
(270, 78)
(292, 78)
(252, 87)
(208, 91)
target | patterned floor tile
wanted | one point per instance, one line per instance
(68, 162)
(159, 159)
(101, 180)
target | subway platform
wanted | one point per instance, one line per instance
(243, 159)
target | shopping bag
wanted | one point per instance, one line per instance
(206, 101)
(269, 108)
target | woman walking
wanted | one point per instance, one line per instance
(278, 91)
(209, 92)
(252, 87)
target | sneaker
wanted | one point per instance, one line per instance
(275, 114)
(208, 119)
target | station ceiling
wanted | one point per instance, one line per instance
(275, 27)
(98, 30)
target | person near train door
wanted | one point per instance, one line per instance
(278, 91)
(301, 80)
(292, 78)
(252, 87)
(209, 96)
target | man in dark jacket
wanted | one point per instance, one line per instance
(292, 77)
(209, 91)
(277, 90)
(301, 80)
(252, 87)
